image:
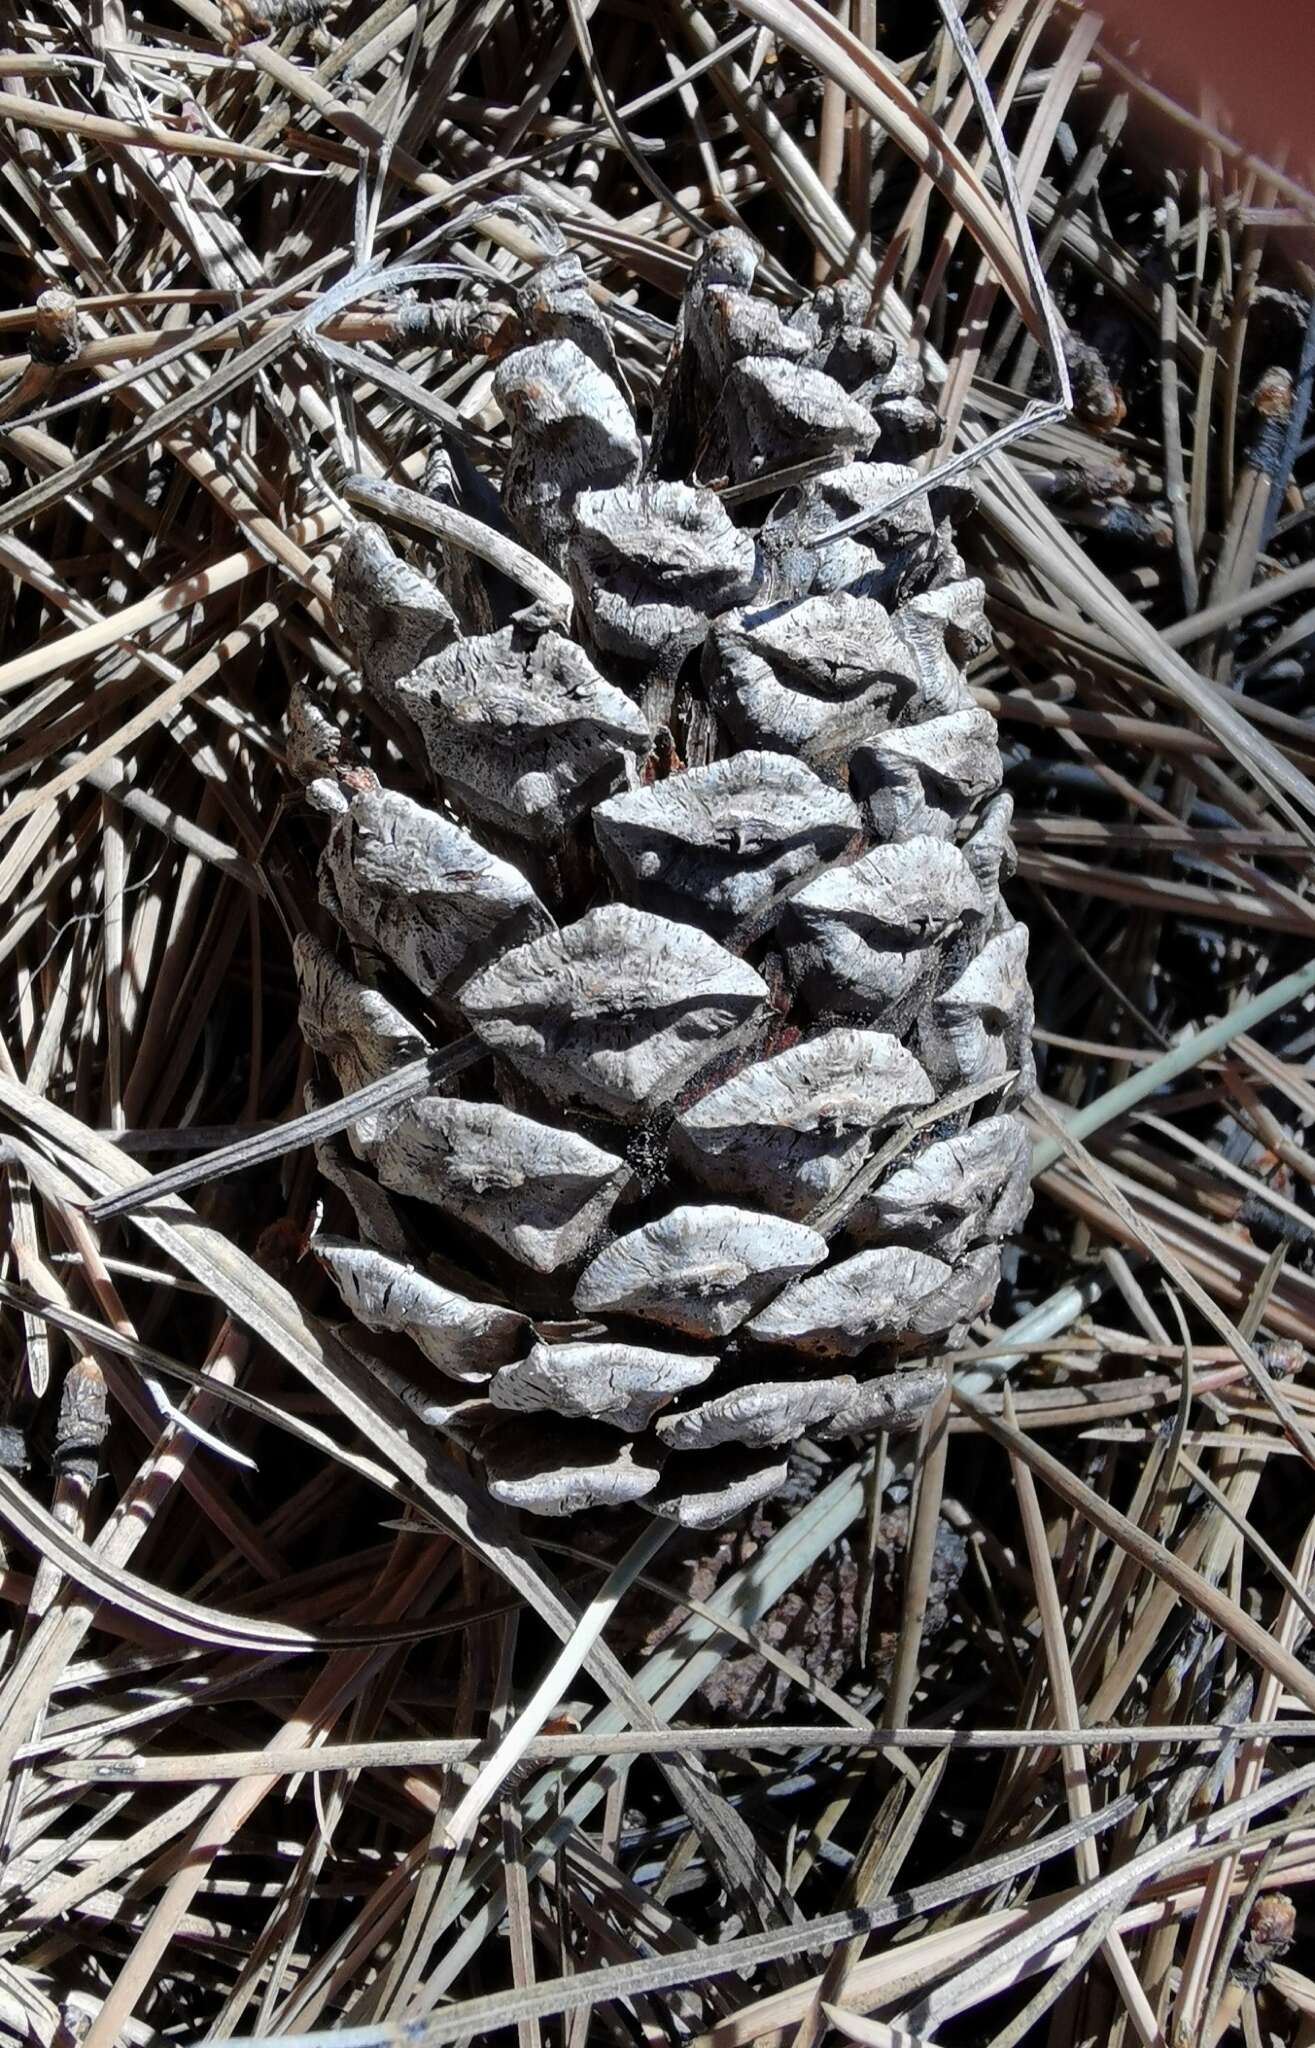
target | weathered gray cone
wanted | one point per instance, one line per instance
(709, 886)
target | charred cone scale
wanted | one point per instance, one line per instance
(713, 877)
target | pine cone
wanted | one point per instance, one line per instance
(715, 886)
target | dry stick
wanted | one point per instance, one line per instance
(193, 588)
(995, 1972)
(1201, 1045)
(402, 165)
(1222, 1261)
(79, 1439)
(748, 1952)
(1250, 1535)
(872, 1878)
(1063, 217)
(800, 1543)
(56, 1640)
(903, 1968)
(1045, 627)
(933, 1445)
(57, 1193)
(1031, 526)
(836, 111)
(1007, 501)
(85, 767)
(99, 461)
(159, 419)
(146, 1358)
(670, 1678)
(1019, 184)
(1189, 900)
(472, 2016)
(869, 81)
(1101, 1932)
(520, 1926)
(547, 1696)
(171, 1611)
(643, 169)
(160, 348)
(905, 242)
(341, 1676)
(1170, 420)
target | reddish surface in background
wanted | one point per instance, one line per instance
(1256, 58)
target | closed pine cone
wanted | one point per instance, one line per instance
(707, 870)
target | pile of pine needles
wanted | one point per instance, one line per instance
(1007, 1739)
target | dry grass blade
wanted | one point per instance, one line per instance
(627, 1980)
(220, 1764)
(1204, 1598)
(838, 54)
(404, 1085)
